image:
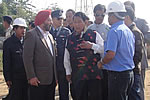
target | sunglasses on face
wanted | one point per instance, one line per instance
(97, 15)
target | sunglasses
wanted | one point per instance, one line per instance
(97, 15)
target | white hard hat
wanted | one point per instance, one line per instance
(116, 6)
(20, 22)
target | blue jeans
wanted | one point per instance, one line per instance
(135, 90)
(119, 84)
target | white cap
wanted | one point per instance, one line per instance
(20, 22)
(116, 6)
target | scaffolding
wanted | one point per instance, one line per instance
(85, 6)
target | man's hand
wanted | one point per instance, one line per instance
(68, 77)
(34, 81)
(86, 45)
(100, 65)
(9, 83)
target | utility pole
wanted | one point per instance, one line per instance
(85, 6)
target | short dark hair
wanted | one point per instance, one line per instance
(130, 12)
(15, 27)
(8, 19)
(81, 15)
(130, 3)
(32, 24)
(87, 18)
(73, 12)
(99, 7)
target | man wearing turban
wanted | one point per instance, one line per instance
(39, 58)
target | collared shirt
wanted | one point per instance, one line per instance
(98, 47)
(102, 29)
(47, 39)
(121, 41)
(57, 30)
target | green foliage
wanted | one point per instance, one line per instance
(53, 6)
(1, 30)
(16, 8)
(3, 10)
(1, 63)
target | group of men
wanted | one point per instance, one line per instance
(94, 62)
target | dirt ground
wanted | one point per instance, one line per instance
(4, 90)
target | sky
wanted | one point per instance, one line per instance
(142, 7)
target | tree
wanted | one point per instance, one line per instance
(53, 6)
(16, 8)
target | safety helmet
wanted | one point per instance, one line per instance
(116, 6)
(20, 22)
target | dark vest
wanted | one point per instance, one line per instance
(83, 61)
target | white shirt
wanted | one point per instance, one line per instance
(102, 29)
(98, 47)
(45, 35)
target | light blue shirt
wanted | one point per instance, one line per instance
(121, 41)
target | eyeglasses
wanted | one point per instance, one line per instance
(97, 15)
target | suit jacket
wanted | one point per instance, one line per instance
(13, 67)
(38, 60)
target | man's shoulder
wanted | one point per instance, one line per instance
(9, 40)
(119, 29)
(140, 20)
(105, 25)
(65, 30)
(32, 31)
(92, 25)
(136, 31)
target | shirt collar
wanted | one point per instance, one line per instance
(44, 33)
(98, 24)
(117, 23)
(55, 29)
(131, 24)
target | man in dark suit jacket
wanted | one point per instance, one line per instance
(60, 34)
(39, 58)
(13, 67)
